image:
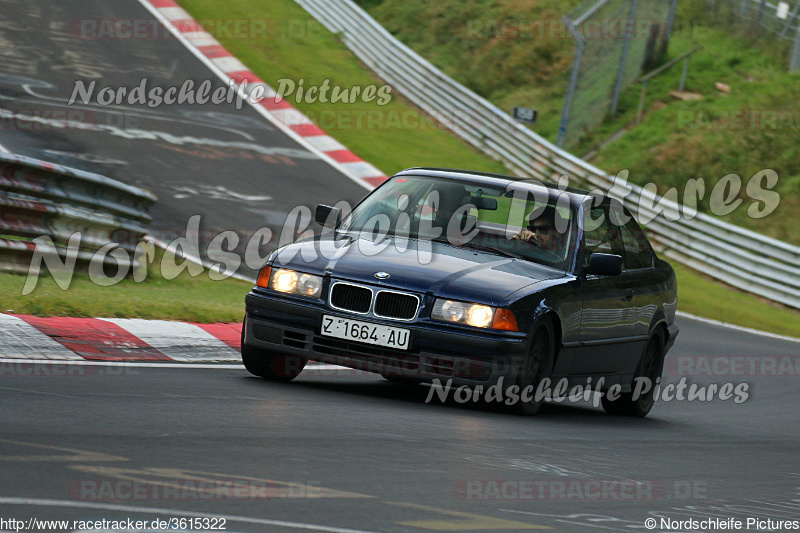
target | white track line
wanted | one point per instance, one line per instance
(41, 502)
(207, 264)
(178, 340)
(18, 339)
(736, 327)
(140, 364)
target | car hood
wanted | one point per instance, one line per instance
(417, 266)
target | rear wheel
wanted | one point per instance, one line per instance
(269, 365)
(536, 366)
(650, 367)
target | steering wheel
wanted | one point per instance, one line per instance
(536, 243)
(531, 240)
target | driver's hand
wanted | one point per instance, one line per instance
(525, 234)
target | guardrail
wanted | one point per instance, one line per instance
(742, 258)
(43, 199)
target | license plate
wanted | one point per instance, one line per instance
(356, 330)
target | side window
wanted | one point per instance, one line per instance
(600, 235)
(637, 249)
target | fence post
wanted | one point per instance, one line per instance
(573, 83)
(623, 58)
(792, 16)
(761, 10)
(673, 8)
(794, 65)
(685, 72)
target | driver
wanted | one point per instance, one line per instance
(542, 230)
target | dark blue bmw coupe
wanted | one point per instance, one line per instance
(474, 278)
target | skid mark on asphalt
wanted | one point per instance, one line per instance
(281, 114)
(124, 112)
(587, 520)
(516, 464)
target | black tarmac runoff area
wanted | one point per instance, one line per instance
(339, 450)
(231, 166)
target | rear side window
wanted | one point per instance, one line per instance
(637, 250)
(600, 235)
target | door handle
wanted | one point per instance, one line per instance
(628, 295)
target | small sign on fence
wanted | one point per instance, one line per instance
(524, 114)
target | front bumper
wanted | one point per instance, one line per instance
(292, 326)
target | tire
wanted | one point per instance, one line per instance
(536, 366)
(650, 366)
(268, 365)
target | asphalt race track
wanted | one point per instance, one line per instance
(339, 449)
(231, 166)
(336, 450)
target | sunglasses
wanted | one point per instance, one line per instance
(541, 229)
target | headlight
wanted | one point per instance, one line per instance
(291, 282)
(480, 316)
(477, 315)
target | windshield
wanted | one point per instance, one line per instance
(512, 223)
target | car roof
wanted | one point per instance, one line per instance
(576, 196)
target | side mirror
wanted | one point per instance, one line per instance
(327, 216)
(605, 264)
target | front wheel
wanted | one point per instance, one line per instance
(276, 367)
(650, 367)
(536, 366)
(268, 365)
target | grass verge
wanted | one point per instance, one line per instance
(165, 295)
(701, 296)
